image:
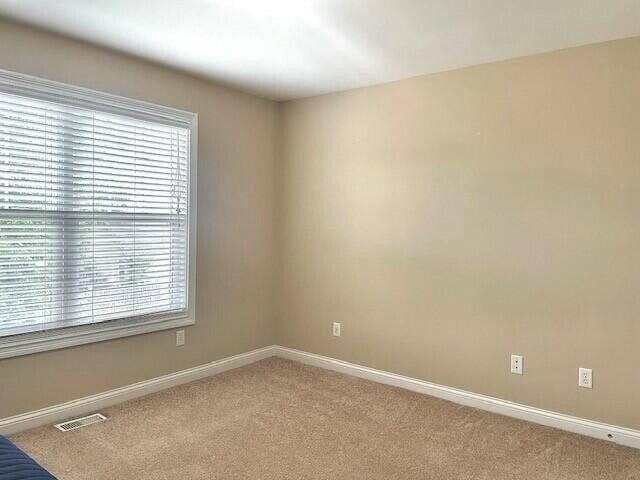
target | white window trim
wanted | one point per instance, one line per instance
(34, 87)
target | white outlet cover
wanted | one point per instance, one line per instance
(179, 338)
(585, 377)
(517, 364)
(336, 329)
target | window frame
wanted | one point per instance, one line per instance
(49, 90)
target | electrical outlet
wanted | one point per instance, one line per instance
(336, 329)
(179, 338)
(585, 378)
(517, 364)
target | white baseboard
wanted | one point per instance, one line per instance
(92, 403)
(603, 431)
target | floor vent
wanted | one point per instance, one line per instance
(80, 422)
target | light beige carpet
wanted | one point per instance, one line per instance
(281, 420)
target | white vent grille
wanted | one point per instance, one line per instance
(80, 422)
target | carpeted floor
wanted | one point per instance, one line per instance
(278, 419)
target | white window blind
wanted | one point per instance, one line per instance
(94, 216)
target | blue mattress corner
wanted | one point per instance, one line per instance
(17, 465)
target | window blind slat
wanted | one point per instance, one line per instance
(70, 115)
(37, 132)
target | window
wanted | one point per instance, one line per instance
(96, 216)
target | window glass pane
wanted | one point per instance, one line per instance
(93, 216)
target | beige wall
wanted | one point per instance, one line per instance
(236, 226)
(452, 219)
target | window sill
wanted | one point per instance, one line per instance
(28, 343)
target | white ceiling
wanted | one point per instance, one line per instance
(284, 49)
